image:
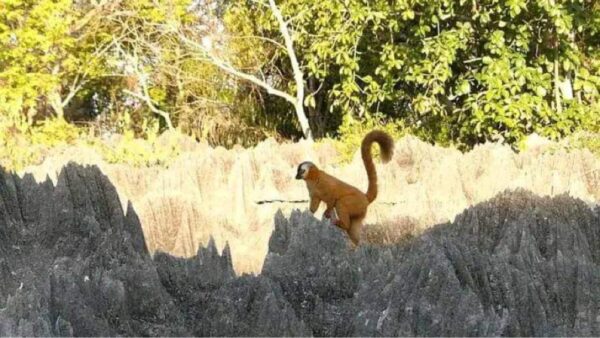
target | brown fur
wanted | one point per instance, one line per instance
(349, 203)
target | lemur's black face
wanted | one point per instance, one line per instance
(303, 170)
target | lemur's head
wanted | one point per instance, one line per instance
(304, 170)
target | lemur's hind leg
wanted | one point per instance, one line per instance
(355, 228)
(343, 216)
(329, 211)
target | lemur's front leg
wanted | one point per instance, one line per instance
(314, 203)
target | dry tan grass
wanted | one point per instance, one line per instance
(214, 192)
(396, 231)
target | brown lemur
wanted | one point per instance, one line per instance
(349, 203)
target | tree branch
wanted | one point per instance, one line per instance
(298, 100)
(150, 105)
(95, 12)
(142, 80)
(75, 88)
(231, 70)
(289, 45)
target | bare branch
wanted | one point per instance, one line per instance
(75, 88)
(233, 71)
(276, 43)
(142, 80)
(151, 105)
(95, 12)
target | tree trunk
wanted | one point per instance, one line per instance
(316, 115)
(298, 76)
(557, 99)
(56, 104)
(306, 131)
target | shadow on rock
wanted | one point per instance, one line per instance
(71, 263)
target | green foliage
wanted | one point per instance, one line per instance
(139, 152)
(137, 145)
(54, 132)
(453, 70)
(580, 140)
(56, 57)
(22, 144)
(45, 55)
(352, 132)
(16, 151)
(450, 71)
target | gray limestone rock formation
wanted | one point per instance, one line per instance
(518, 265)
(73, 263)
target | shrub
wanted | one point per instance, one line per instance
(583, 140)
(140, 151)
(16, 152)
(22, 144)
(53, 132)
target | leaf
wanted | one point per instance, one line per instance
(464, 88)
(408, 15)
(588, 87)
(541, 91)
(309, 101)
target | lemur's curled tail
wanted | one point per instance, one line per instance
(386, 144)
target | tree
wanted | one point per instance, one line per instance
(46, 52)
(171, 83)
(205, 46)
(453, 70)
